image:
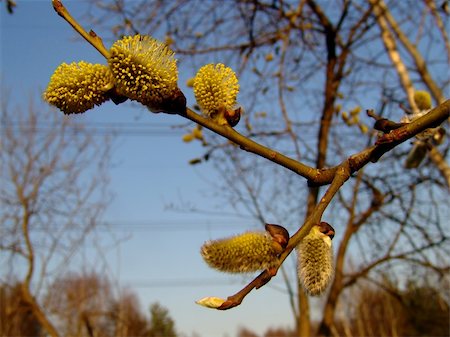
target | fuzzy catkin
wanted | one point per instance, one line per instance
(215, 89)
(144, 70)
(315, 262)
(77, 87)
(248, 252)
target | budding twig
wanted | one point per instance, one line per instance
(316, 177)
(341, 176)
(90, 37)
(383, 124)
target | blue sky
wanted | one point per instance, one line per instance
(160, 257)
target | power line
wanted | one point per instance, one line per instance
(96, 128)
(182, 283)
(165, 226)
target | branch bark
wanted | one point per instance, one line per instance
(392, 50)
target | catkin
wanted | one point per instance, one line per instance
(315, 262)
(248, 252)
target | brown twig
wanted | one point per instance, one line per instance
(252, 146)
(90, 37)
(387, 142)
(383, 124)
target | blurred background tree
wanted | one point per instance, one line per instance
(16, 318)
(54, 174)
(88, 304)
(161, 323)
(53, 193)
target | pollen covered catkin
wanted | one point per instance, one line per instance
(247, 252)
(144, 69)
(77, 87)
(315, 261)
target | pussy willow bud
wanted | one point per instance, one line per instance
(145, 70)
(247, 252)
(215, 88)
(280, 236)
(211, 302)
(77, 87)
(315, 259)
(422, 99)
(439, 136)
(232, 116)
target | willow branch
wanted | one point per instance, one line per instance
(316, 177)
(335, 176)
(388, 141)
(90, 37)
(341, 176)
(252, 146)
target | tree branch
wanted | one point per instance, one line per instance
(316, 177)
(392, 50)
(90, 37)
(342, 175)
(421, 65)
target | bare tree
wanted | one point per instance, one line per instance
(385, 310)
(80, 304)
(308, 70)
(53, 193)
(16, 318)
(87, 304)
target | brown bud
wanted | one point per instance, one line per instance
(116, 97)
(175, 104)
(327, 229)
(439, 136)
(279, 235)
(232, 116)
(385, 125)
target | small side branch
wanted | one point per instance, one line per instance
(342, 175)
(383, 124)
(90, 37)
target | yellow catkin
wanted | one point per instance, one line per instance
(248, 252)
(215, 88)
(144, 70)
(77, 87)
(315, 262)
